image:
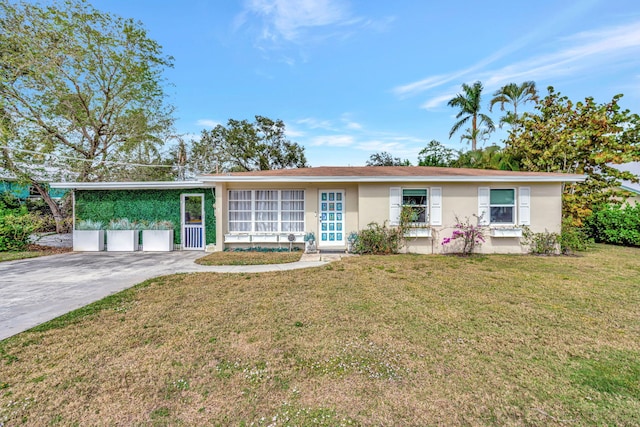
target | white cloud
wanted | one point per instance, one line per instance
(303, 22)
(313, 123)
(437, 101)
(333, 140)
(286, 19)
(293, 132)
(349, 123)
(584, 51)
(420, 85)
(590, 51)
(207, 123)
(377, 146)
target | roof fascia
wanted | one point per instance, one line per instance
(392, 179)
(630, 189)
(149, 185)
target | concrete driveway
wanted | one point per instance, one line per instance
(36, 290)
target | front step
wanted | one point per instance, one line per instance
(326, 256)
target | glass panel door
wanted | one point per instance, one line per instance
(192, 221)
(331, 219)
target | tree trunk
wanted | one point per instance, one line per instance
(474, 133)
(58, 216)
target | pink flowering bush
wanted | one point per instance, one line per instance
(465, 236)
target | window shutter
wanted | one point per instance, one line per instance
(483, 205)
(524, 206)
(395, 204)
(436, 206)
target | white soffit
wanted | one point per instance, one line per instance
(149, 185)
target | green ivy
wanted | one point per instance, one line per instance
(143, 205)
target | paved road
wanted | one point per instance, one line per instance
(36, 290)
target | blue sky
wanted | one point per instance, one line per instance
(354, 77)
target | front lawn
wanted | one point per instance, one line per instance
(399, 340)
(249, 258)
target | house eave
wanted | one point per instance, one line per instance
(630, 189)
(136, 185)
(389, 179)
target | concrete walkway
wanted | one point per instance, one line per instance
(36, 290)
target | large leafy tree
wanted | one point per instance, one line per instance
(514, 95)
(583, 138)
(436, 154)
(385, 158)
(469, 103)
(244, 146)
(80, 89)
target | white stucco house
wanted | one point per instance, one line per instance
(268, 208)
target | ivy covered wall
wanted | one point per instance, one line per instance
(143, 205)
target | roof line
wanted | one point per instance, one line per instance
(133, 185)
(324, 179)
(631, 189)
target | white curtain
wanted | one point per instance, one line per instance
(240, 210)
(292, 210)
(266, 210)
(269, 211)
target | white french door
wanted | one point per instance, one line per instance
(331, 219)
(192, 214)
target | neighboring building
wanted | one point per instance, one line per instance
(21, 191)
(632, 187)
(635, 193)
(266, 208)
(25, 191)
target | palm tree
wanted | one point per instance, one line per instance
(491, 157)
(514, 95)
(480, 134)
(469, 104)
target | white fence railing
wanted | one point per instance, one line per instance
(193, 237)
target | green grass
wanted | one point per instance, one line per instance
(38, 251)
(12, 256)
(249, 258)
(398, 340)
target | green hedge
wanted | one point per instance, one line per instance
(143, 205)
(615, 224)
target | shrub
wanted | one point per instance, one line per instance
(465, 237)
(9, 201)
(378, 240)
(573, 239)
(16, 227)
(544, 243)
(615, 224)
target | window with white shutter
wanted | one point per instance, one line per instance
(504, 206)
(436, 206)
(524, 206)
(483, 205)
(395, 205)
